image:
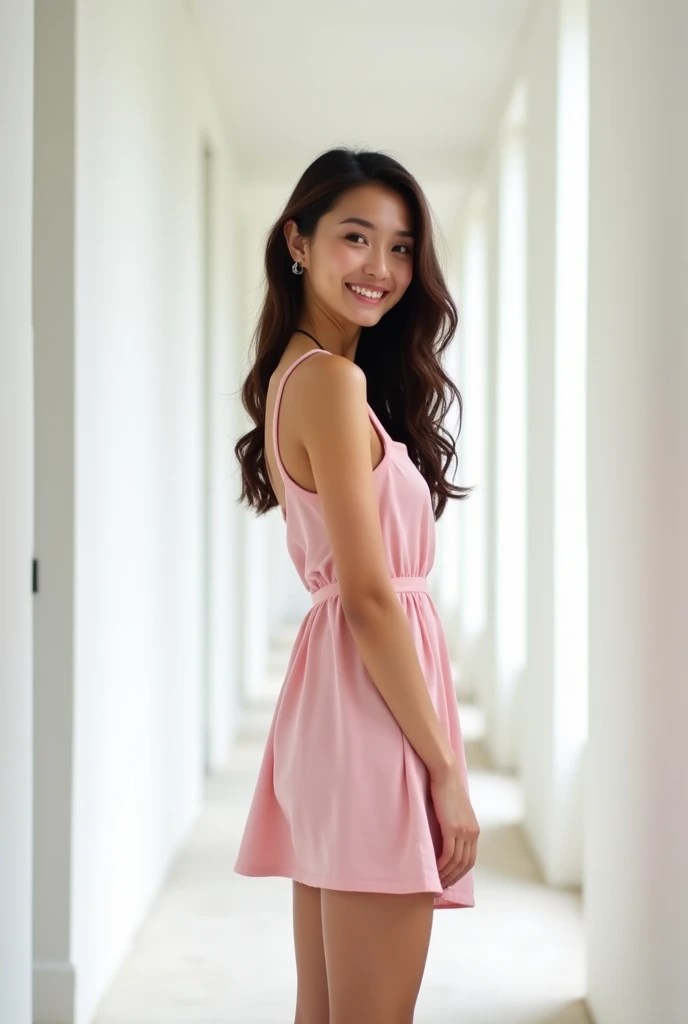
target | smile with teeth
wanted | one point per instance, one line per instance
(366, 293)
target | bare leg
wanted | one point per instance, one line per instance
(312, 1000)
(376, 947)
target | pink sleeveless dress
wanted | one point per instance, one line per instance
(342, 800)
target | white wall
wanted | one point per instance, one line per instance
(144, 112)
(53, 285)
(16, 509)
(636, 842)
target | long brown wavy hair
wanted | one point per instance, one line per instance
(400, 356)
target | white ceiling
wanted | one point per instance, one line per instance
(421, 80)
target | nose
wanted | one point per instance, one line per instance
(376, 263)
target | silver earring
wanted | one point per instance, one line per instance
(297, 268)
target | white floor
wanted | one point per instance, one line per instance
(217, 948)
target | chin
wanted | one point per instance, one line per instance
(368, 318)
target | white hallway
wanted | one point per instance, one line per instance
(146, 149)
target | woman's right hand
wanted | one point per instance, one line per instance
(458, 823)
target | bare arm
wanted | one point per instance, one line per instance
(335, 430)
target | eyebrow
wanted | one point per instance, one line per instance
(367, 224)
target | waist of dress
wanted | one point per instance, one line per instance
(416, 584)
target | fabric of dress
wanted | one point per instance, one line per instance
(342, 800)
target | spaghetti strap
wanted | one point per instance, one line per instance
(278, 402)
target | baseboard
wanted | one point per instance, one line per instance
(53, 992)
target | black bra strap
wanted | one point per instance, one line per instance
(299, 330)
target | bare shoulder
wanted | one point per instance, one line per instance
(334, 372)
(330, 386)
(326, 403)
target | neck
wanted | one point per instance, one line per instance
(340, 340)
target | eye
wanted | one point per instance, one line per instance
(409, 251)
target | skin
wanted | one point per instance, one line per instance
(361, 956)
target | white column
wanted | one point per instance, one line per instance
(636, 847)
(472, 447)
(16, 508)
(554, 708)
(486, 657)
(506, 636)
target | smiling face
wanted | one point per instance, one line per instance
(359, 262)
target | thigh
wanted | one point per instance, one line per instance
(312, 1000)
(376, 947)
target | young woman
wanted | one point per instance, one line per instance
(362, 796)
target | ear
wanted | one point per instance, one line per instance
(295, 243)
